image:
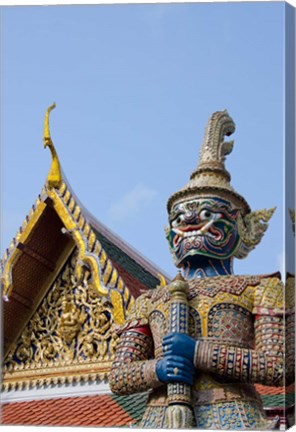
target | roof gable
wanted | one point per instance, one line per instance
(55, 226)
(30, 266)
(58, 227)
(70, 338)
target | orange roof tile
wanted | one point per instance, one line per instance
(264, 390)
(105, 410)
(100, 410)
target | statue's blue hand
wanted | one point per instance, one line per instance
(179, 344)
(175, 369)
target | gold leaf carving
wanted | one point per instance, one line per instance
(116, 300)
(72, 325)
(70, 321)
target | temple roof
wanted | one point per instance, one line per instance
(103, 410)
(55, 226)
(110, 410)
(138, 270)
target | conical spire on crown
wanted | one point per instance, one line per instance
(214, 148)
(211, 177)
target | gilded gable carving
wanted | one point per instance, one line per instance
(72, 326)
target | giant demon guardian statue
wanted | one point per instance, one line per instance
(202, 342)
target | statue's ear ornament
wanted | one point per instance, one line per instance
(167, 230)
(251, 229)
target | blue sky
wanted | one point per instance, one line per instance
(134, 87)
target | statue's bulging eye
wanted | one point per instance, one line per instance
(208, 215)
(177, 221)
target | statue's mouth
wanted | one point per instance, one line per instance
(200, 230)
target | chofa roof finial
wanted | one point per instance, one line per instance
(54, 178)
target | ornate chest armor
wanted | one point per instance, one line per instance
(238, 322)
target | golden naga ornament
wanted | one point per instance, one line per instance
(54, 178)
(91, 254)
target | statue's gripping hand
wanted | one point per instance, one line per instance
(173, 368)
(177, 363)
(179, 344)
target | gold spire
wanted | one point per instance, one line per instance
(54, 178)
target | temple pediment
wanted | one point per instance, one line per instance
(70, 338)
(67, 282)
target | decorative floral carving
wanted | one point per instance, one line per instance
(70, 321)
(72, 324)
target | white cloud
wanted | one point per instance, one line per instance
(131, 203)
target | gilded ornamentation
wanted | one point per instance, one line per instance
(12, 253)
(104, 277)
(54, 178)
(73, 324)
(92, 258)
(270, 295)
(162, 280)
(70, 321)
(230, 346)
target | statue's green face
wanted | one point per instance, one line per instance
(206, 226)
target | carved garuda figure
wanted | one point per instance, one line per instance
(202, 352)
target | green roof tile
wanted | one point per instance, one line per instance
(134, 404)
(279, 400)
(126, 262)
